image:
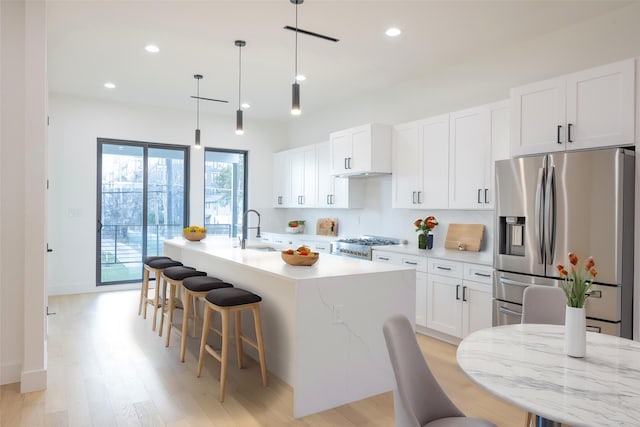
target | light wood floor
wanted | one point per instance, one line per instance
(106, 368)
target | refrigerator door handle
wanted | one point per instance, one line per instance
(539, 217)
(550, 216)
(513, 282)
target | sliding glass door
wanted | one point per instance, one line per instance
(142, 200)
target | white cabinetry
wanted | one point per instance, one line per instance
(456, 305)
(420, 164)
(361, 150)
(587, 109)
(420, 264)
(333, 191)
(281, 180)
(476, 298)
(479, 137)
(295, 178)
(303, 176)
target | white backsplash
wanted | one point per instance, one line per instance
(378, 218)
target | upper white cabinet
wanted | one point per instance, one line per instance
(295, 178)
(361, 150)
(303, 176)
(281, 180)
(333, 191)
(587, 109)
(420, 164)
(478, 137)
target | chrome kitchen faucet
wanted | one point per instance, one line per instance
(245, 228)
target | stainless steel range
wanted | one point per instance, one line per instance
(361, 247)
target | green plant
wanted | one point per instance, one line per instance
(577, 283)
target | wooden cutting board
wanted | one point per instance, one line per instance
(467, 235)
(327, 227)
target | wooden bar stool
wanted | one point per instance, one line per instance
(144, 289)
(194, 288)
(174, 277)
(153, 265)
(226, 301)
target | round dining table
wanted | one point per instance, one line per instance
(526, 365)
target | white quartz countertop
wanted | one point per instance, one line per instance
(272, 263)
(484, 258)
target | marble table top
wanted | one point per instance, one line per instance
(526, 365)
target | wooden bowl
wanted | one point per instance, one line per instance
(296, 259)
(194, 236)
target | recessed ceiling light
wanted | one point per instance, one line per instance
(110, 85)
(152, 48)
(245, 105)
(393, 32)
(301, 78)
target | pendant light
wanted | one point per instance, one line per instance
(295, 90)
(239, 126)
(198, 77)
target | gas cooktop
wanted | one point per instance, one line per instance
(360, 247)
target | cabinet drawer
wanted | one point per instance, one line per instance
(445, 268)
(324, 247)
(386, 257)
(478, 273)
(420, 263)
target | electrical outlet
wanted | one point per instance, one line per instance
(338, 313)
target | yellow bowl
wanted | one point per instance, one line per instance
(194, 236)
(297, 259)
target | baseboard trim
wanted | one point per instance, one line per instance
(33, 381)
(10, 373)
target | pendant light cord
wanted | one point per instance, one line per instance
(239, 74)
(198, 105)
(295, 77)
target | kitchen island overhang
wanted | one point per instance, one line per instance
(322, 324)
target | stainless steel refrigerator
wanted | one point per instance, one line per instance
(549, 205)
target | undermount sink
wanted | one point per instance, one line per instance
(263, 248)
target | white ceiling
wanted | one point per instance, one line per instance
(91, 42)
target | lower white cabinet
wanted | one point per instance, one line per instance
(444, 304)
(457, 306)
(452, 297)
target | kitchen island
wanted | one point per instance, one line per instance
(322, 324)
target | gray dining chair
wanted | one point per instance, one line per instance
(543, 304)
(419, 401)
(546, 305)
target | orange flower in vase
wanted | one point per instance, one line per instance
(424, 226)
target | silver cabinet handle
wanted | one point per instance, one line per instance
(479, 193)
(419, 200)
(539, 217)
(443, 268)
(464, 293)
(411, 262)
(482, 274)
(413, 197)
(345, 163)
(457, 292)
(486, 195)
(383, 258)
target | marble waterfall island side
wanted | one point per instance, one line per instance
(322, 324)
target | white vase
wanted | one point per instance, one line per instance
(575, 332)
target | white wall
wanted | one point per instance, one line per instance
(76, 123)
(22, 170)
